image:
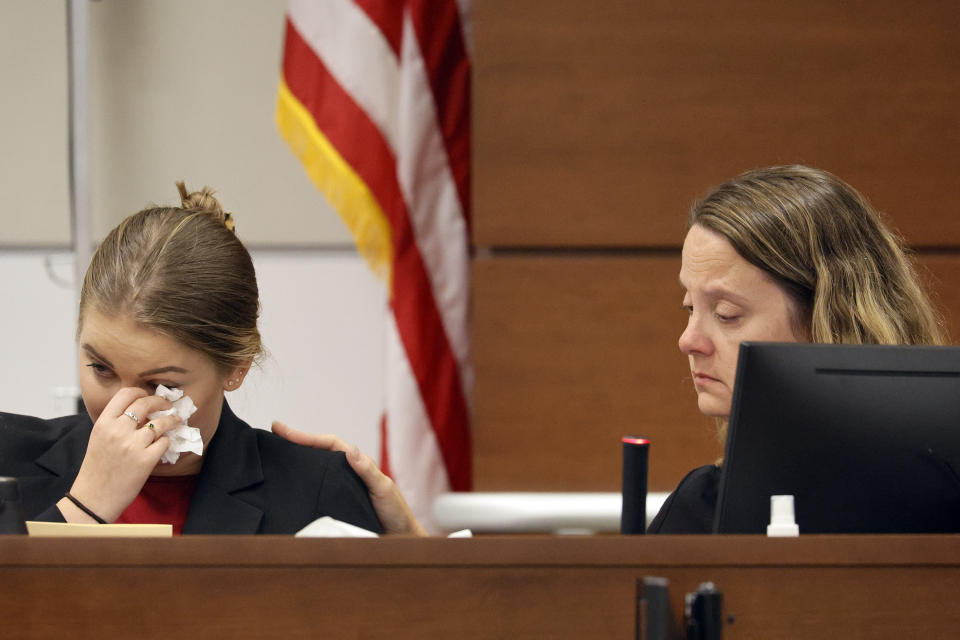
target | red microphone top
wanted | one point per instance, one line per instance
(634, 440)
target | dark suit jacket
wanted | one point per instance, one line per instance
(252, 481)
(690, 508)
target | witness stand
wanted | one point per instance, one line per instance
(488, 587)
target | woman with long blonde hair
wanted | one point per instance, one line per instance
(784, 254)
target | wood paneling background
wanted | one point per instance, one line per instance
(571, 354)
(597, 124)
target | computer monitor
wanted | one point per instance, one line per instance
(865, 437)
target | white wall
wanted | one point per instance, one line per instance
(179, 90)
(37, 327)
(323, 319)
(186, 89)
(33, 124)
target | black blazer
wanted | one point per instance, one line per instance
(690, 508)
(252, 481)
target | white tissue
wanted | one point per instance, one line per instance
(327, 527)
(184, 438)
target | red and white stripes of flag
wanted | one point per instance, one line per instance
(375, 100)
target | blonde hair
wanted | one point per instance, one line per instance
(821, 241)
(183, 272)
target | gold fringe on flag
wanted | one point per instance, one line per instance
(346, 192)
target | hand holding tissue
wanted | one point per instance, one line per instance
(184, 438)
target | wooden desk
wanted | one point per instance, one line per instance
(497, 587)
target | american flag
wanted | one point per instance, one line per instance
(374, 99)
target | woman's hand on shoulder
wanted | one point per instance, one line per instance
(121, 453)
(392, 509)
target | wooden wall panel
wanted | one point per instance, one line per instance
(941, 273)
(573, 352)
(598, 123)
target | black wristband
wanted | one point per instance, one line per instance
(83, 508)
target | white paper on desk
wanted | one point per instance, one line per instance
(327, 527)
(84, 530)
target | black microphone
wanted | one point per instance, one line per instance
(633, 513)
(11, 511)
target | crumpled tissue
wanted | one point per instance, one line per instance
(184, 438)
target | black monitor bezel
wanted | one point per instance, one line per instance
(869, 366)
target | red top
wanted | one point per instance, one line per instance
(163, 500)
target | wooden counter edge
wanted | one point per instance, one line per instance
(533, 551)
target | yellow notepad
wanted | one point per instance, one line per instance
(70, 530)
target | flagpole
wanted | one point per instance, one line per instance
(78, 47)
(78, 41)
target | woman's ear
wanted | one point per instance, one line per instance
(233, 381)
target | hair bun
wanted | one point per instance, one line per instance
(203, 202)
